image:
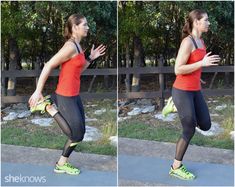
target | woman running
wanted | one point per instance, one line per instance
(70, 114)
(186, 92)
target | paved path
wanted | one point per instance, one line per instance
(29, 166)
(140, 163)
(143, 162)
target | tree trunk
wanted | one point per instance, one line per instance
(114, 65)
(127, 80)
(165, 51)
(106, 77)
(213, 80)
(3, 68)
(13, 65)
(227, 63)
(161, 82)
(138, 57)
(92, 82)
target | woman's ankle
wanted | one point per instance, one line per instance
(62, 161)
(51, 110)
(176, 164)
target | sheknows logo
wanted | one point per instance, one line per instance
(25, 179)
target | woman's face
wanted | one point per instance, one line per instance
(203, 23)
(81, 30)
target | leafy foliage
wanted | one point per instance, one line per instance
(25, 21)
(159, 26)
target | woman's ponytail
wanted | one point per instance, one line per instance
(187, 29)
(67, 32)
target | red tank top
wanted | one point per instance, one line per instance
(69, 78)
(191, 81)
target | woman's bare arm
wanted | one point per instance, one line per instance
(64, 54)
(184, 52)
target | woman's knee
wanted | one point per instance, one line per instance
(205, 125)
(188, 123)
(188, 134)
(78, 132)
(78, 137)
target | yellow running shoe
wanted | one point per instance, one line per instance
(182, 173)
(169, 107)
(41, 105)
(67, 168)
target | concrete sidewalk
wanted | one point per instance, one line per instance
(29, 166)
(142, 162)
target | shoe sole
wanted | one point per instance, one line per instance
(179, 177)
(61, 172)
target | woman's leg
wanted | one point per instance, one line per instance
(59, 119)
(81, 109)
(65, 105)
(74, 113)
(64, 127)
(70, 111)
(202, 112)
(185, 106)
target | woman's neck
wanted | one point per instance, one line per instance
(196, 34)
(76, 38)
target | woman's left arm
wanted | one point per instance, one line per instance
(95, 53)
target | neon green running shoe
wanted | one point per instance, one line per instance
(41, 105)
(182, 173)
(66, 168)
(169, 107)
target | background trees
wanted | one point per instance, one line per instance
(157, 26)
(32, 32)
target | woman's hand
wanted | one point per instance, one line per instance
(210, 60)
(99, 51)
(35, 97)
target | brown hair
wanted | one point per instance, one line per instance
(73, 19)
(188, 27)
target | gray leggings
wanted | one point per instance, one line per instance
(71, 119)
(193, 111)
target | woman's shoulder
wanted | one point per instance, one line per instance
(67, 51)
(187, 43)
(69, 45)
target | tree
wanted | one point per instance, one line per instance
(35, 29)
(158, 25)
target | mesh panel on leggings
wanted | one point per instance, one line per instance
(181, 148)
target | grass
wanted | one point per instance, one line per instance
(23, 132)
(147, 128)
(163, 133)
(106, 121)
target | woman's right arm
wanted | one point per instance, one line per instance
(184, 52)
(64, 54)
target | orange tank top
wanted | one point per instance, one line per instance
(69, 78)
(191, 81)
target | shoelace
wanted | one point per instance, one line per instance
(185, 170)
(70, 166)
